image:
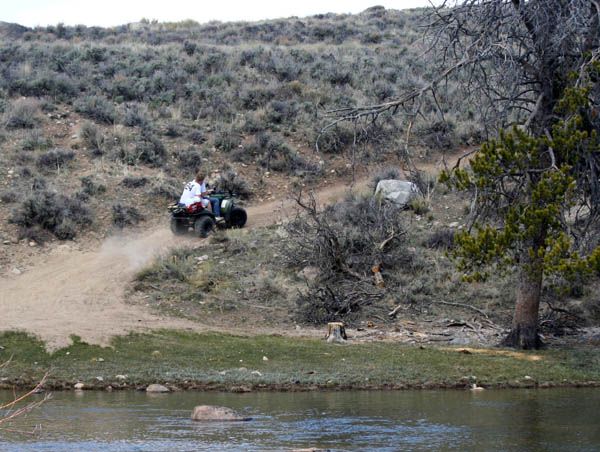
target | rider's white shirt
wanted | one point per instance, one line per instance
(192, 193)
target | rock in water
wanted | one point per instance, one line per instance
(399, 192)
(216, 413)
(157, 388)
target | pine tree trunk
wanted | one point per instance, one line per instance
(524, 330)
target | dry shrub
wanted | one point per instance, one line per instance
(56, 213)
(123, 216)
(92, 138)
(23, 114)
(440, 239)
(55, 159)
(231, 182)
(344, 241)
(134, 181)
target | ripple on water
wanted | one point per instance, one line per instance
(554, 420)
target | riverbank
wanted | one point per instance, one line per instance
(222, 362)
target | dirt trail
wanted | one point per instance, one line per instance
(83, 292)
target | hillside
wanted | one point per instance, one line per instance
(102, 127)
(136, 109)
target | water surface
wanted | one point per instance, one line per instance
(503, 420)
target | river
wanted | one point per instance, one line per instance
(502, 420)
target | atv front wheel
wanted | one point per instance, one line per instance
(178, 227)
(237, 217)
(203, 226)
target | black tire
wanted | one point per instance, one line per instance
(203, 226)
(178, 227)
(237, 217)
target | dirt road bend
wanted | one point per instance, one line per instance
(83, 292)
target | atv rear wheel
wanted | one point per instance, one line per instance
(203, 226)
(178, 227)
(237, 217)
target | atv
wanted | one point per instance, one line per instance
(202, 220)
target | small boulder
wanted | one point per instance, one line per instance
(399, 192)
(79, 386)
(157, 388)
(216, 413)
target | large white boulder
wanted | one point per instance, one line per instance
(399, 192)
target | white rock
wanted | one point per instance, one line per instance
(157, 388)
(16, 271)
(32, 243)
(256, 372)
(265, 358)
(79, 386)
(454, 224)
(399, 192)
(121, 377)
(100, 378)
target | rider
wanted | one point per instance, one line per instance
(196, 191)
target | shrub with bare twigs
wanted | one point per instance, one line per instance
(21, 405)
(231, 182)
(347, 242)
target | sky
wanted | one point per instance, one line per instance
(107, 13)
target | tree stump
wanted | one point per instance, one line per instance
(336, 332)
(376, 269)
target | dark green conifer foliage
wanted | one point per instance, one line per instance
(536, 203)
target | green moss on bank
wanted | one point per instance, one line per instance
(219, 361)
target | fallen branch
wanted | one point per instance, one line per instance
(24, 409)
(564, 311)
(393, 236)
(394, 311)
(23, 397)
